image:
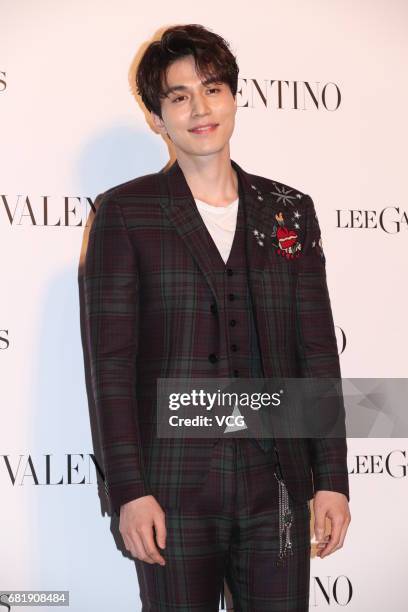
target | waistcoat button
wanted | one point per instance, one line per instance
(213, 308)
(234, 347)
(232, 322)
(230, 272)
(231, 297)
(212, 357)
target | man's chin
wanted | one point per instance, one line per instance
(200, 151)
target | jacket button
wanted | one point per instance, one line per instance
(213, 308)
(230, 272)
(212, 357)
(234, 347)
(233, 322)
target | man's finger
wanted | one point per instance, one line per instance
(336, 527)
(319, 524)
(343, 532)
(160, 528)
(135, 546)
(151, 549)
(140, 549)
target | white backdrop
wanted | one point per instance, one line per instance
(71, 128)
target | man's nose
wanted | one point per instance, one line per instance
(200, 105)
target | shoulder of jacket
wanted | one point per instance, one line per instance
(141, 185)
(279, 192)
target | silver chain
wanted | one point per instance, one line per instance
(285, 523)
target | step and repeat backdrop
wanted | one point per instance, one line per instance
(322, 102)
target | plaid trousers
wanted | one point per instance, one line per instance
(231, 531)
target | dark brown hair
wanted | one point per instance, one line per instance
(212, 55)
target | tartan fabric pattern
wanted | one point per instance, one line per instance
(230, 528)
(149, 281)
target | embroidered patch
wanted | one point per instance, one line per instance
(284, 196)
(285, 232)
(317, 245)
(259, 237)
(259, 195)
(286, 241)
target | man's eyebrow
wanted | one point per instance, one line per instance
(184, 87)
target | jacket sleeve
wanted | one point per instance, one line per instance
(318, 350)
(111, 293)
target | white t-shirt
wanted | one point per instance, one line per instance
(221, 222)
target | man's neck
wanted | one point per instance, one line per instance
(211, 178)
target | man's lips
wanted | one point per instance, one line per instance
(204, 129)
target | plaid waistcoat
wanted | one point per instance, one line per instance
(237, 353)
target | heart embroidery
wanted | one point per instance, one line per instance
(285, 239)
(288, 245)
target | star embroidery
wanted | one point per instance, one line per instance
(283, 195)
(297, 214)
(258, 235)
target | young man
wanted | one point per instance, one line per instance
(204, 270)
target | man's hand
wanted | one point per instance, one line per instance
(137, 519)
(335, 506)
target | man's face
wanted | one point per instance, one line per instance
(193, 104)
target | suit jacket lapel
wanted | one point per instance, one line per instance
(178, 204)
(259, 221)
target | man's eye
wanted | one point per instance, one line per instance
(181, 97)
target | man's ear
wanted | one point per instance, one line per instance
(158, 123)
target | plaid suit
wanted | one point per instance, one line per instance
(231, 528)
(151, 292)
(147, 278)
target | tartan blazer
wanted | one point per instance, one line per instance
(148, 286)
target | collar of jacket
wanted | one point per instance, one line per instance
(178, 204)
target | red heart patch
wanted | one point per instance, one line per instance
(286, 237)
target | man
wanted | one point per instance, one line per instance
(204, 270)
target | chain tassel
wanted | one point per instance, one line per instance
(285, 521)
(222, 596)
